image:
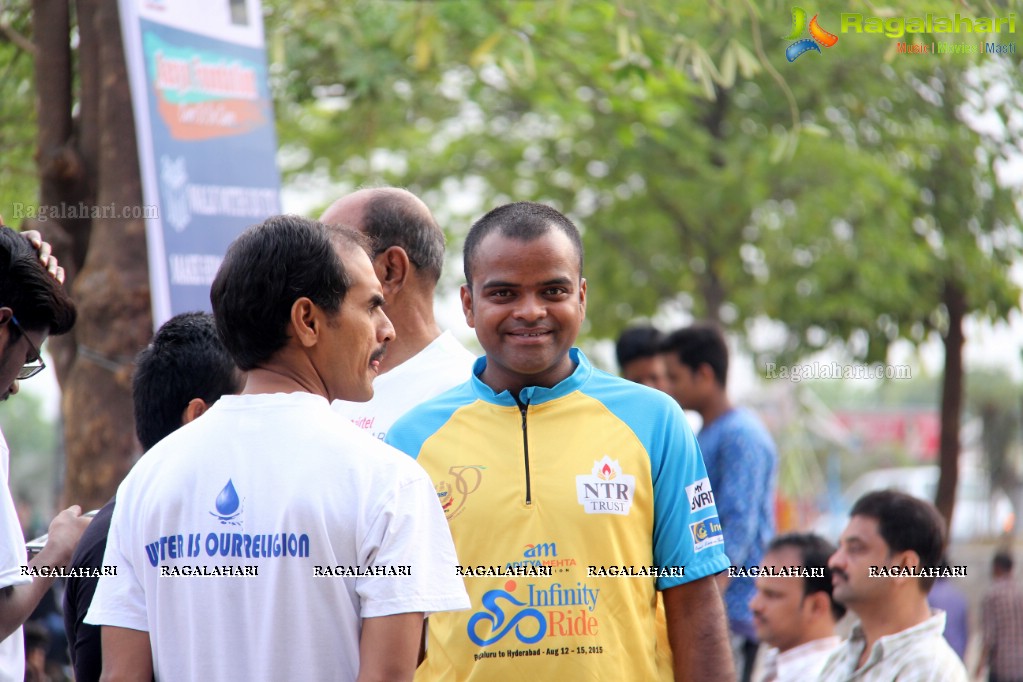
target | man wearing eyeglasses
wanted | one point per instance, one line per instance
(33, 305)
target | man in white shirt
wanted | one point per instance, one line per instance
(33, 305)
(271, 539)
(408, 255)
(886, 562)
(793, 610)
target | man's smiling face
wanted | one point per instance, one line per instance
(526, 304)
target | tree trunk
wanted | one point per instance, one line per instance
(95, 166)
(713, 293)
(951, 401)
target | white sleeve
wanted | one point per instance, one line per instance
(411, 534)
(12, 550)
(120, 599)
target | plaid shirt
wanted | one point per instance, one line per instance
(1001, 617)
(917, 654)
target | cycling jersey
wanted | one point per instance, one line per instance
(569, 506)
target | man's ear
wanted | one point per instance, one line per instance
(195, 408)
(465, 293)
(820, 603)
(905, 559)
(582, 294)
(706, 373)
(305, 319)
(392, 267)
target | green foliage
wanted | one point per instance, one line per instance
(991, 387)
(955, 223)
(18, 182)
(583, 105)
(32, 439)
(835, 194)
(29, 433)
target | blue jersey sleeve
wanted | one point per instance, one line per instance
(687, 530)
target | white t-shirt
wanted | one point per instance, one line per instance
(444, 364)
(279, 485)
(12, 558)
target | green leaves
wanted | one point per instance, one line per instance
(18, 182)
(833, 194)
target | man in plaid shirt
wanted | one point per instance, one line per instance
(1001, 617)
(886, 562)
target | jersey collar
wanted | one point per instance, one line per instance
(533, 395)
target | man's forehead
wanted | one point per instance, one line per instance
(783, 556)
(504, 248)
(863, 528)
(672, 359)
(356, 262)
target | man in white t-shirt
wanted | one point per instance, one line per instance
(408, 254)
(33, 305)
(271, 539)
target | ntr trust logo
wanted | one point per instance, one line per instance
(818, 36)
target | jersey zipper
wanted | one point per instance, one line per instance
(525, 448)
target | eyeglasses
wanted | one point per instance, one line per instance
(32, 367)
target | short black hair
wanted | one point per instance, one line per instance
(1002, 561)
(39, 302)
(393, 219)
(266, 269)
(185, 360)
(814, 552)
(700, 344)
(523, 221)
(637, 343)
(906, 523)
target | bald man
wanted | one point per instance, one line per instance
(408, 255)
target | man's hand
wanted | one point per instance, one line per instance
(65, 531)
(45, 255)
(18, 601)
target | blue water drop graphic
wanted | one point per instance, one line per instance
(227, 500)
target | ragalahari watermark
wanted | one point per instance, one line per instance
(84, 211)
(835, 370)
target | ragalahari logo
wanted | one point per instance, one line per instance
(818, 36)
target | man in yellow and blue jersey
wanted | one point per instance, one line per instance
(573, 496)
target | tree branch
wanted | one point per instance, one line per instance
(16, 39)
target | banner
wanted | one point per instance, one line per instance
(205, 128)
